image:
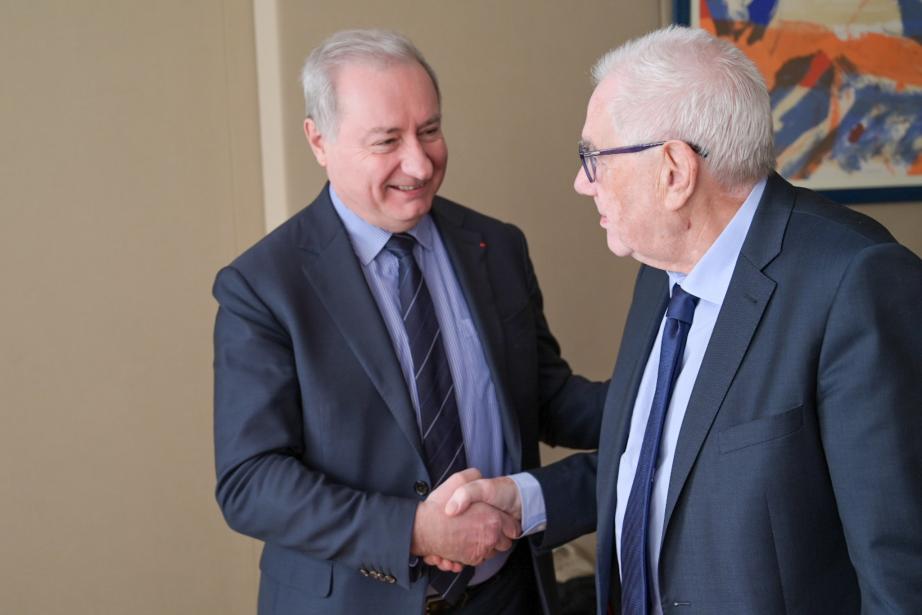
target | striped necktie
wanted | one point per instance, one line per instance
(443, 441)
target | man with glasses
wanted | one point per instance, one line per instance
(760, 449)
(371, 349)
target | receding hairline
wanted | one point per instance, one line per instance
(382, 66)
(379, 63)
(374, 48)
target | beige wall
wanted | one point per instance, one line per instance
(904, 220)
(130, 171)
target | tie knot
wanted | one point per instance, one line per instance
(682, 305)
(400, 245)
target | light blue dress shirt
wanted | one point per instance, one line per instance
(708, 280)
(478, 406)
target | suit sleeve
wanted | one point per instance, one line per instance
(569, 488)
(263, 487)
(870, 403)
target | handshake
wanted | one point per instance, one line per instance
(467, 520)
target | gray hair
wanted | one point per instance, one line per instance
(682, 83)
(379, 48)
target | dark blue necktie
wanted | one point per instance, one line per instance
(443, 441)
(635, 573)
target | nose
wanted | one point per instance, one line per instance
(581, 183)
(416, 162)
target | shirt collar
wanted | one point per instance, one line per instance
(367, 239)
(710, 277)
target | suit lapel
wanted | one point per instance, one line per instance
(333, 270)
(467, 253)
(740, 314)
(742, 310)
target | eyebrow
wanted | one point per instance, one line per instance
(381, 130)
(586, 145)
(435, 119)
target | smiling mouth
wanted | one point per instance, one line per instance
(409, 188)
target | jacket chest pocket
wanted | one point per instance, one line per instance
(760, 430)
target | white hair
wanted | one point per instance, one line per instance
(682, 83)
(375, 47)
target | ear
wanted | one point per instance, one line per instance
(679, 174)
(316, 140)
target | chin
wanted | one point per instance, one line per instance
(619, 249)
(417, 208)
(407, 217)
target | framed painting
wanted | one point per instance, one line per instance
(845, 80)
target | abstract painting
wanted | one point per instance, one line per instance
(845, 79)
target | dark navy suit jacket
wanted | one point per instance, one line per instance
(797, 480)
(317, 449)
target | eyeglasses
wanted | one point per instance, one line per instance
(588, 158)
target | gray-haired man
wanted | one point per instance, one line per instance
(382, 340)
(760, 450)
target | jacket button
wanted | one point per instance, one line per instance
(421, 487)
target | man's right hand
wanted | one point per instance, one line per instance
(501, 493)
(468, 537)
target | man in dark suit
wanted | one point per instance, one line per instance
(761, 449)
(382, 340)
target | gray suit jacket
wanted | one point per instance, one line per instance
(797, 480)
(317, 449)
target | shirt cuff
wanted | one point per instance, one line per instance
(534, 514)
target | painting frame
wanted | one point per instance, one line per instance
(852, 194)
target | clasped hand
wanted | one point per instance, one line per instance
(467, 520)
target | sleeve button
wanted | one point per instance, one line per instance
(421, 487)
